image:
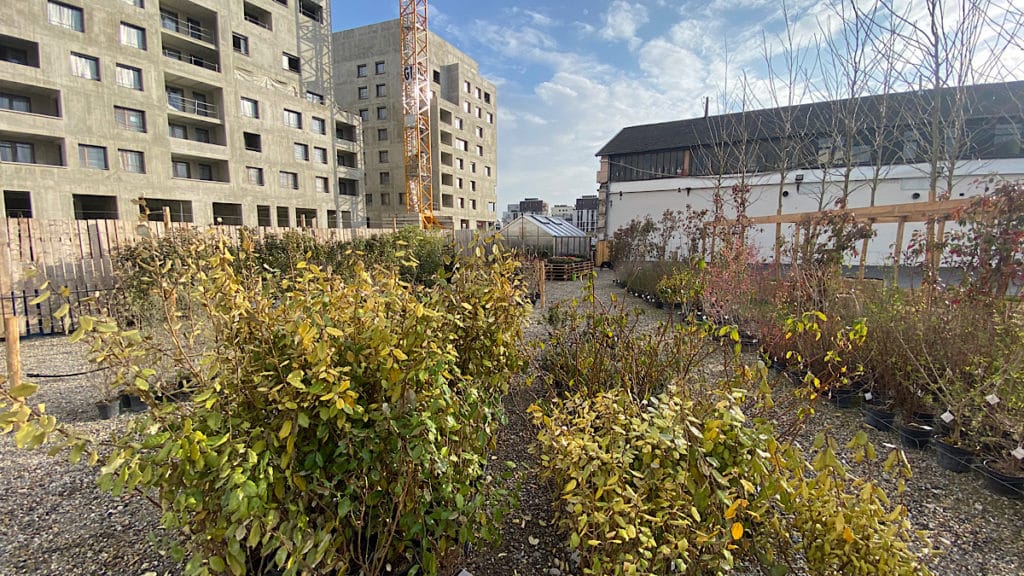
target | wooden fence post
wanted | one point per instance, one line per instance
(541, 280)
(13, 351)
(897, 251)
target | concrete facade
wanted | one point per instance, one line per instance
(463, 120)
(221, 110)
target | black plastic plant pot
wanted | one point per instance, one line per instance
(879, 418)
(109, 409)
(848, 397)
(1002, 484)
(132, 403)
(952, 458)
(915, 436)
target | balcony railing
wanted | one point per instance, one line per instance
(256, 20)
(193, 60)
(188, 28)
(191, 106)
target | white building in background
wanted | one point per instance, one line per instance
(648, 169)
(564, 211)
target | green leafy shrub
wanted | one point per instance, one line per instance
(336, 425)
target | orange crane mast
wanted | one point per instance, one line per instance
(416, 95)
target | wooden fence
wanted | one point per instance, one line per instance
(78, 254)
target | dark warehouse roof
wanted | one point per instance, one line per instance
(980, 101)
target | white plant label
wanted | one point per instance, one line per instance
(947, 417)
(1018, 453)
(992, 399)
(868, 396)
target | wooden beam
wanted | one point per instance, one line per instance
(888, 214)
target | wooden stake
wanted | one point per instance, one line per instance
(897, 251)
(542, 278)
(778, 250)
(13, 350)
(864, 252)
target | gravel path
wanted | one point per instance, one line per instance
(53, 519)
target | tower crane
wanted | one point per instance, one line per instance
(416, 95)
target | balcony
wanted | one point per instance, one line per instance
(31, 149)
(348, 159)
(198, 168)
(29, 99)
(192, 107)
(311, 10)
(19, 51)
(350, 173)
(348, 186)
(193, 59)
(187, 28)
(257, 16)
(192, 146)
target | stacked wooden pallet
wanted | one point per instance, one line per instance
(561, 271)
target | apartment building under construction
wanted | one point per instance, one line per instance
(463, 130)
(221, 111)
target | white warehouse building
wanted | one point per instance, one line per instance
(873, 150)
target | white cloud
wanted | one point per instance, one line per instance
(550, 129)
(623, 20)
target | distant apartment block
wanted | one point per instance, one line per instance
(533, 206)
(564, 211)
(221, 111)
(368, 81)
(585, 214)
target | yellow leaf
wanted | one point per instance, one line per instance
(847, 534)
(334, 331)
(286, 429)
(399, 354)
(737, 530)
(570, 486)
(62, 311)
(40, 299)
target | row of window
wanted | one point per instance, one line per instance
(250, 108)
(72, 17)
(18, 204)
(480, 95)
(378, 68)
(134, 161)
(363, 92)
(447, 200)
(89, 156)
(286, 180)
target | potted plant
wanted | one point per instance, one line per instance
(1003, 411)
(955, 444)
(109, 388)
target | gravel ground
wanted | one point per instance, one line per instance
(53, 519)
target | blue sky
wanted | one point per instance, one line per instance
(571, 74)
